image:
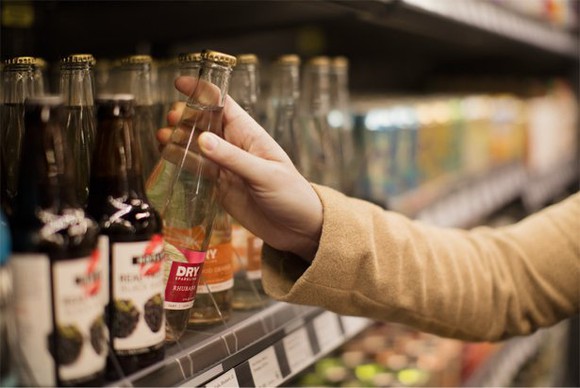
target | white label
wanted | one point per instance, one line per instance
(265, 369)
(79, 310)
(327, 331)
(353, 325)
(228, 379)
(138, 291)
(32, 301)
(254, 275)
(298, 350)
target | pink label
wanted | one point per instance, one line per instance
(183, 279)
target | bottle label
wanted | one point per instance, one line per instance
(33, 316)
(254, 271)
(137, 295)
(184, 268)
(80, 327)
(218, 269)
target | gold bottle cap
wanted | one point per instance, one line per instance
(248, 59)
(79, 58)
(319, 61)
(289, 59)
(21, 61)
(41, 63)
(136, 59)
(189, 57)
(217, 57)
(340, 61)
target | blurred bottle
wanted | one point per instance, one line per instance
(76, 87)
(60, 325)
(283, 106)
(20, 80)
(136, 74)
(183, 184)
(103, 76)
(340, 120)
(168, 94)
(131, 241)
(320, 151)
(213, 303)
(248, 290)
(41, 76)
(189, 65)
(7, 327)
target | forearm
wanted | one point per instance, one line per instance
(479, 285)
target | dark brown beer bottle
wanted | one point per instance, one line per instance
(131, 240)
(57, 270)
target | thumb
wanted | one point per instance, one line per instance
(232, 158)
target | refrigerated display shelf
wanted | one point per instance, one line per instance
(255, 348)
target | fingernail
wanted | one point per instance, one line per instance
(208, 141)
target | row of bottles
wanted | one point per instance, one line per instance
(115, 277)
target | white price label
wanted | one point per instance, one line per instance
(327, 331)
(228, 379)
(265, 369)
(298, 350)
(353, 325)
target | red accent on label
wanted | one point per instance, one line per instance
(182, 282)
(155, 244)
(94, 287)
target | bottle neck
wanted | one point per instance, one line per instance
(244, 87)
(339, 94)
(46, 178)
(316, 92)
(136, 79)
(116, 164)
(212, 87)
(19, 83)
(286, 85)
(77, 85)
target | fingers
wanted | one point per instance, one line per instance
(249, 167)
(201, 91)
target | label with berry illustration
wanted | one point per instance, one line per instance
(80, 333)
(137, 293)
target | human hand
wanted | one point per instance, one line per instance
(258, 184)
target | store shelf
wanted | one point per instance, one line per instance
(262, 348)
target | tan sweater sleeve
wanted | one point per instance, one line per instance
(483, 284)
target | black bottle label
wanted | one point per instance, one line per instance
(137, 295)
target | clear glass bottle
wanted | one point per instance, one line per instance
(182, 186)
(283, 105)
(76, 86)
(248, 291)
(20, 81)
(340, 120)
(320, 151)
(168, 94)
(60, 324)
(213, 303)
(131, 240)
(136, 79)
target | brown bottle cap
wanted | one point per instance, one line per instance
(319, 61)
(79, 58)
(136, 59)
(340, 61)
(21, 61)
(289, 59)
(247, 59)
(217, 57)
(189, 57)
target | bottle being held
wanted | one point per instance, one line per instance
(182, 186)
(57, 270)
(19, 81)
(137, 80)
(76, 86)
(131, 240)
(213, 303)
(248, 290)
